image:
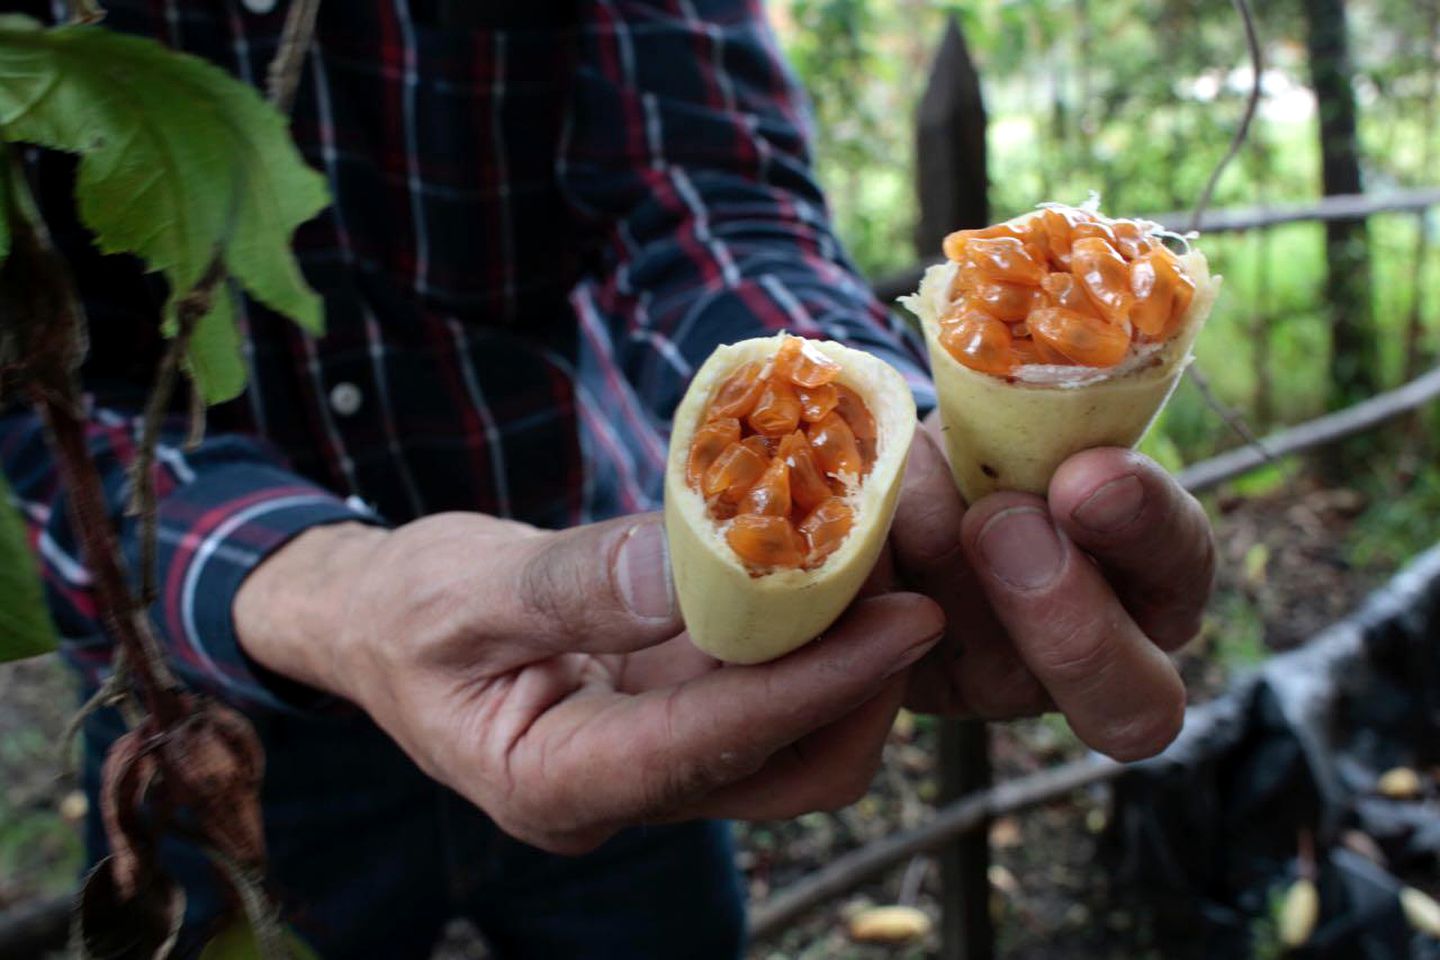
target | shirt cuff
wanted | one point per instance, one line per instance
(212, 531)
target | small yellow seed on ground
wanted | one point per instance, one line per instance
(904, 726)
(1421, 910)
(1005, 833)
(889, 925)
(1299, 913)
(1003, 880)
(73, 807)
(1401, 783)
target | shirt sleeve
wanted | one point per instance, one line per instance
(223, 508)
(688, 152)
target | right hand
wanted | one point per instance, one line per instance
(545, 677)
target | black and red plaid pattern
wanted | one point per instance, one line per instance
(547, 214)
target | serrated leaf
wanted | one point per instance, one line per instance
(179, 162)
(25, 626)
(214, 356)
(237, 942)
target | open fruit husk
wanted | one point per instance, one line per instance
(1011, 430)
(741, 613)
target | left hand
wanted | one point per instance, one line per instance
(1070, 602)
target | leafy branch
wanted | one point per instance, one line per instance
(202, 194)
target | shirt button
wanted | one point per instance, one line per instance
(259, 6)
(345, 399)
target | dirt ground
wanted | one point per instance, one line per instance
(1284, 575)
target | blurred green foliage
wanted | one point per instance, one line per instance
(1138, 99)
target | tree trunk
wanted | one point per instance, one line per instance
(1354, 348)
(1415, 359)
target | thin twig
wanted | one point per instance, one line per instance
(284, 75)
(196, 436)
(1233, 419)
(913, 880)
(262, 915)
(112, 691)
(1252, 102)
(188, 313)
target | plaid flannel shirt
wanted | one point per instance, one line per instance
(546, 216)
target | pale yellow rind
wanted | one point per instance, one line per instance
(1004, 435)
(743, 619)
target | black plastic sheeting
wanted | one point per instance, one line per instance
(1205, 837)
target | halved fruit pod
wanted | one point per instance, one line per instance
(1006, 434)
(742, 618)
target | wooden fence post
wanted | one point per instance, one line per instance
(952, 186)
(950, 168)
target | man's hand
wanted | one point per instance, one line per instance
(1072, 603)
(544, 676)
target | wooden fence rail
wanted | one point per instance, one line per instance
(1319, 432)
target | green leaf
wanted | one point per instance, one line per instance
(179, 162)
(25, 627)
(214, 357)
(237, 942)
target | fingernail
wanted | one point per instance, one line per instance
(642, 572)
(1113, 506)
(1020, 548)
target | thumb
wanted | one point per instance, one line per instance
(599, 588)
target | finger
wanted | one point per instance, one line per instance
(678, 745)
(668, 664)
(599, 588)
(1150, 535)
(1120, 692)
(826, 770)
(974, 670)
(882, 576)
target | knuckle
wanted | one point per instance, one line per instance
(1077, 652)
(551, 595)
(929, 537)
